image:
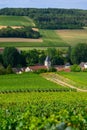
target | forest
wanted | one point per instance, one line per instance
(51, 18)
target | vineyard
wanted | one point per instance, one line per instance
(43, 111)
(30, 102)
(45, 101)
(28, 82)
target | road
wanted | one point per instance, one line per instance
(61, 80)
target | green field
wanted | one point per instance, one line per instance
(15, 21)
(78, 79)
(40, 108)
(49, 37)
(26, 81)
(28, 101)
(53, 38)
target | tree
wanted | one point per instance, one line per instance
(51, 52)
(79, 53)
(57, 60)
(55, 56)
(32, 57)
(42, 57)
(11, 56)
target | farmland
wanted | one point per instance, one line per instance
(38, 103)
(19, 40)
(49, 38)
(43, 111)
(31, 101)
(73, 37)
(15, 21)
(26, 82)
(78, 79)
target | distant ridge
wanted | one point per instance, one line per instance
(51, 18)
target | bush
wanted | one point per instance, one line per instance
(52, 69)
(9, 70)
(85, 70)
(40, 71)
(2, 70)
(75, 68)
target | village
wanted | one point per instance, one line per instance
(47, 66)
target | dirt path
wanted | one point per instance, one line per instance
(60, 80)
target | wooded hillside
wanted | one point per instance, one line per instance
(51, 18)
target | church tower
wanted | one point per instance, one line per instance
(47, 62)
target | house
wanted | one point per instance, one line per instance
(17, 70)
(47, 62)
(37, 67)
(27, 69)
(62, 68)
(67, 65)
(59, 67)
(83, 65)
(1, 50)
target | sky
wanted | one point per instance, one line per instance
(77, 4)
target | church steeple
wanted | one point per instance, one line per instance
(47, 62)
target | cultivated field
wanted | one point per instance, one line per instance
(73, 37)
(47, 111)
(20, 40)
(16, 21)
(49, 38)
(30, 102)
(26, 82)
(78, 79)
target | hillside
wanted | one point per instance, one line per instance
(51, 18)
(57, 27)
(30, 102)
(15, 21)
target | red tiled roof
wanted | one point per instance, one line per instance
(1, 49)
(62, 68)
(37, 67)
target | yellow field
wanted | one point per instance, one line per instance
(20, 40)
(72, 37)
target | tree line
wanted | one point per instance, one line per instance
(51, 18)
(17, 58)
(24, 32)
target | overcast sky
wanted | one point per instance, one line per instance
(78, 4)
